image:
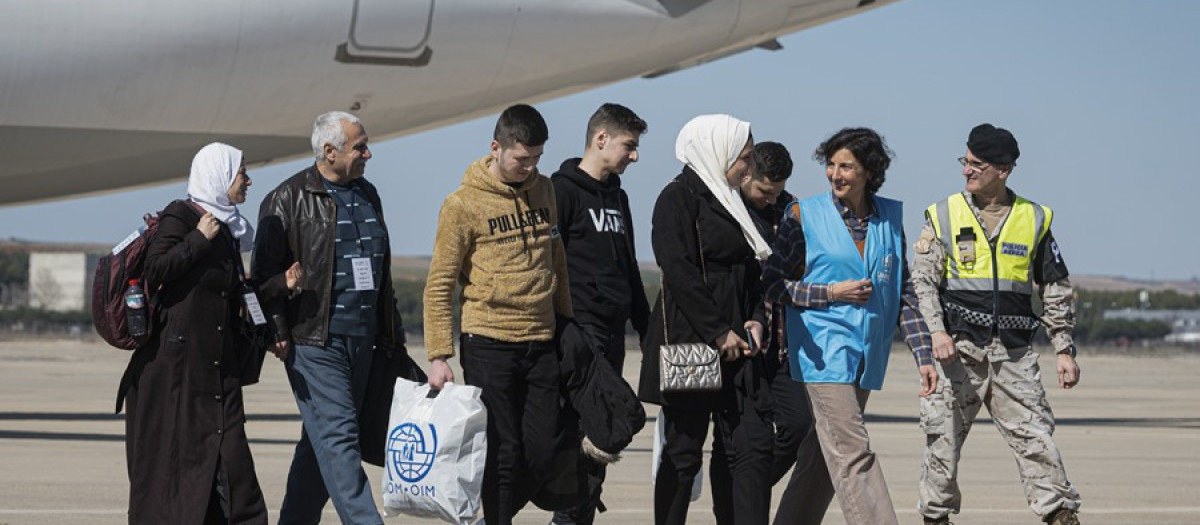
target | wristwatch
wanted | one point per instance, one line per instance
(1070, 350)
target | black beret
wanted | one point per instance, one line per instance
(993, 145)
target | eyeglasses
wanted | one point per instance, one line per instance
(974, 164)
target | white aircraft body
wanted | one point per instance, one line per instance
(98, 95)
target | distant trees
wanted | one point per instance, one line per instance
(1091, 327)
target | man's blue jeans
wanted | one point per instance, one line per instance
(329, 384)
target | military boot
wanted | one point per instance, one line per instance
(944, 520)
(1063, 517)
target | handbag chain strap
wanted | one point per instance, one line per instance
(662, 284)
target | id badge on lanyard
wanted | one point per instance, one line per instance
(364, 279)
(253, 307)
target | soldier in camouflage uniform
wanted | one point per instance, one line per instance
(978, 259)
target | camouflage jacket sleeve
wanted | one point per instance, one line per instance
(1058, 297)
(928, 267)
(1058, 313)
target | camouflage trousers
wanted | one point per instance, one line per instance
(1009, 383)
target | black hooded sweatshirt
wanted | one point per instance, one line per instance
(597, 230)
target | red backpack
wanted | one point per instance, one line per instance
(113, 273)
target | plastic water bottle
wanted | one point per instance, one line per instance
(135, 309)
(884, 276)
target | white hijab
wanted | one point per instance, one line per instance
(710, 144)
(213, 169)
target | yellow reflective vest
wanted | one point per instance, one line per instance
(989, 282)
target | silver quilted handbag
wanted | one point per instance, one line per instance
(687, 367)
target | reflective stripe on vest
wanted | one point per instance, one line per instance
(1019, 237)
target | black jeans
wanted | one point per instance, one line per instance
(520, 390)
(611, 348)
(742, 445)
(793, 421)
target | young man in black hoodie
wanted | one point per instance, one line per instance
(597, 230)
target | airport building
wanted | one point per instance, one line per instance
(61, 281)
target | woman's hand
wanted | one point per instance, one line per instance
(929, 379)
(293, 275)
(856, 292)
(208, 226)
(754, 330)
(731, 346)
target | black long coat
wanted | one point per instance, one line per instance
(701, 305)
(183, 398)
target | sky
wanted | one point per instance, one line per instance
(1103, 97)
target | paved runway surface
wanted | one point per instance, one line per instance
(1130, 435)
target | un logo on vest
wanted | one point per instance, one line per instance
(411, 451)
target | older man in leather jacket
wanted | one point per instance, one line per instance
(330, 220)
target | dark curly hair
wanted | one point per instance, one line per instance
(868, 149)
(772, 162)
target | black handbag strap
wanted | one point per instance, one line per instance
(662, 282)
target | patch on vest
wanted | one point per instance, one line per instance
(554, 232)
(1020, 250)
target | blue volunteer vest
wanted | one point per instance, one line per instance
(829, 345)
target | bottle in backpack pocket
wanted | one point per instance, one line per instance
(135, 310)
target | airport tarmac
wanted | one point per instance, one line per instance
(1130, 435)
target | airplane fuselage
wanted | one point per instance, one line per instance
(101, 95)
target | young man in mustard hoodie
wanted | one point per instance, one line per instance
(497, 236)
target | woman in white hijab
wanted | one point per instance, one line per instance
(708, 249)
(188, 457)
(218, 183)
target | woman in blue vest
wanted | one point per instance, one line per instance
(838, 262)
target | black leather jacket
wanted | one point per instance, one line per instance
(296, 222)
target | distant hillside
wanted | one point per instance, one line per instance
(416, 268)
(1105, 283)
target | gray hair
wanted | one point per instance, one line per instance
(329, 129)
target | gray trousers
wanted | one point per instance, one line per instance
(851, 465)
(1012, 391)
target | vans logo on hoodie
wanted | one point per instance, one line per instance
(607, 220)
(513, 221)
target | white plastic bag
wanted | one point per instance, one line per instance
(660, 443)
(436, 450)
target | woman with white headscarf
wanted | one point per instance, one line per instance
(188, 458)
(708, 249)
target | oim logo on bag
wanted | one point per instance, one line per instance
(411, 451)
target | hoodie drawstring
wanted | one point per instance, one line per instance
(520, 222)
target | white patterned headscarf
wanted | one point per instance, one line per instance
(710, 144)
(213, 169)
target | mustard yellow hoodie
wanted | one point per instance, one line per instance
(501, 244)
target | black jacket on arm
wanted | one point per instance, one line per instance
(297, 222)
(701, 304)
(597, 232)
